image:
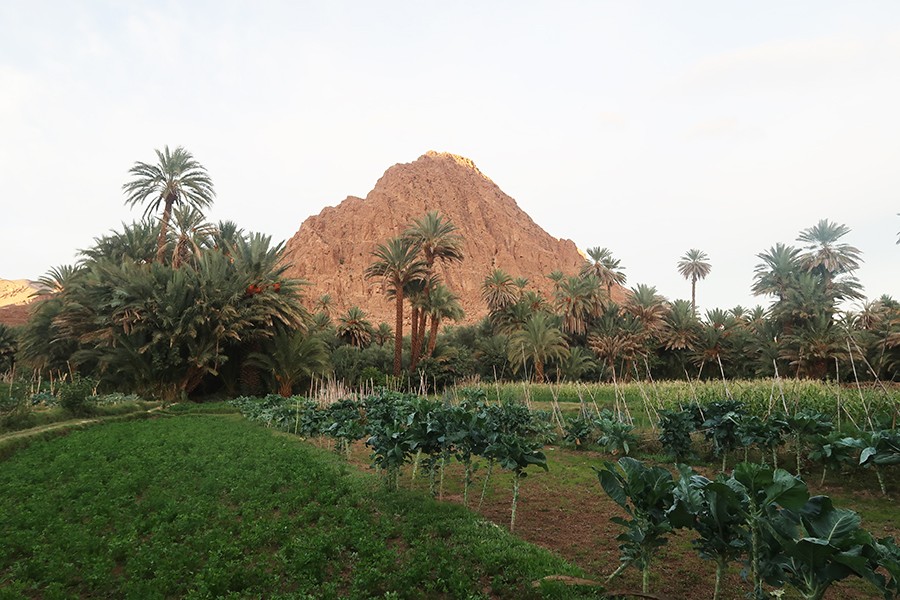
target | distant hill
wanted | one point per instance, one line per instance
(15, 297)
(332, 249)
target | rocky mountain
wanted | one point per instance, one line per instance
(15, 297)
(332, 249)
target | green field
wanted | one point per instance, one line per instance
(214, 506)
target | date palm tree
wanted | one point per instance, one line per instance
(498, 291)
(777, 271)
(576, 301)
(8, 346)
(175, 180)
(383, 334)
(291, 357)
(396, 264)
(539, 341)
(824, 252)
(442, 304)
(439, 241)
(354, 328)
(694, 265)
(605, 267)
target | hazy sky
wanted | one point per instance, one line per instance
(646, 127)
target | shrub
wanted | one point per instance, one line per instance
(76, 396)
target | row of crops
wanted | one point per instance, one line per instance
(760, 515)
(402, 429)
(723, 429)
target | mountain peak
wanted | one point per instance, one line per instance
(331, 250)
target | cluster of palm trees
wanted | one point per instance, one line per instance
(405, 265)
(582, 331)
(167, 304)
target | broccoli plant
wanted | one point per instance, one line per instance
(762, 491)
(675, 429)
(516, 453)
(715, 513)
(806, 425)
(880, 449)
(616, 437)
(832, 451)
(646, 494)
(821, 544)
(578, 430)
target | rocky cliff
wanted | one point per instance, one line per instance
(332, 249)
(15, 298)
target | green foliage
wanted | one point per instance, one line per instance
(214, 507)
(616, 437)
(76, 396)
(675, 428)
(646, 494)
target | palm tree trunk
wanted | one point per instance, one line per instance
(421, 339)
(694, 295)
(398, 328)
(432, 340)
(539, 371)
(164, 230)
(414, 337)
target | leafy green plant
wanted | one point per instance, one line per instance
(715, 513)
(75, 396)
(344, 424)
(646, 494)
(832, 451)
(675, 428)
(763, 491)
(516, 453)
(579, 430)
(616, 437)
(721, 428)
(821, 544)
(880, 448)
(765, 434)
(803, 426)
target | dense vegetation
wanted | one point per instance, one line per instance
(212, 507)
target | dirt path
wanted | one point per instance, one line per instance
(24, 433)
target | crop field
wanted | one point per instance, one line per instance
(400, 496)
(214, 506)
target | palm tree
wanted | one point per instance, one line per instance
(442, 304)
(290, 357)
(193, 233)
(397, 264)
(383, 334)
(605, 267)
(825, 253)
(177, 179)
(576, 301)
(498, 291)
(778, 270)
(694, 265)
(8, 346)
(323, 304)
(539, 341)
(438, 240)
(354, 328)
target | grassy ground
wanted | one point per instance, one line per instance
(212, 506)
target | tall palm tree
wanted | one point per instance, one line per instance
(193, 232)
(439, 241)
(824, 252)
(576, 301)
(8, 345)
(605, 267)
(694, 265)
(396, 264)
(539, 341)
(779, 269)
(383, 334)
(498, 291)
(176, 179)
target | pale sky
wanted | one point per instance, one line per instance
(647, 127)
